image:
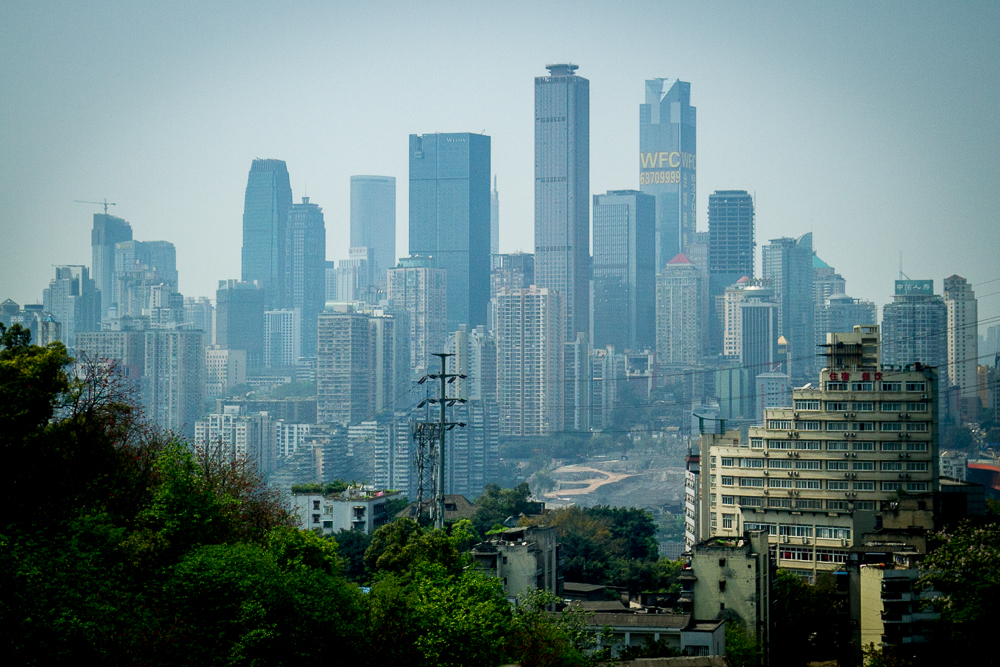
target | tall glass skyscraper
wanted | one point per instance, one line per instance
(373, 220)
(305, 268)
(450, 217)
(108, 231)
(265, 217)
(667, 163)
(624, 270)
(562, 191)
(730, 252)
(787, 263)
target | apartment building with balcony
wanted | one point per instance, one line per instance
(357, 508)
(855, 442)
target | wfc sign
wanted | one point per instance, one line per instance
(667, 166)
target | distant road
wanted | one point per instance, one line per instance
(592, 484)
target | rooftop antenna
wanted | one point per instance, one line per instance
(902, 276)
(104, 203)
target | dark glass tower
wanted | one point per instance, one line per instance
(787, 263)
(562, 191)
(373, 220)
(667, 163)
(239, 319)
(108, 230)
(450, 217)
(265, 217)
(730, 251)
(624, 270)
(305, 268)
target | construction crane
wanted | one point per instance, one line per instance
(104, 203)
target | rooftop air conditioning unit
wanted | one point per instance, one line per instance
(789, 473)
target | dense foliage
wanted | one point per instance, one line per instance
(809, 623)
(119, 544)
(613, 546)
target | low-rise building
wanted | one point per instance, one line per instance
(525, 558)
(893, 610)
(357, 508)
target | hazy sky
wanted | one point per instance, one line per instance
(874, 125)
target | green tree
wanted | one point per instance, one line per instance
(496, 505)
(806, 621)
(351, 545)
(741, 646)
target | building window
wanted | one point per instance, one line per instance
(809, 504)
(892, 426)
(892, 486)
(722, 562)
(892, 386)
(750, 501)
(779, 444)
(892, 407)
(864, 486)
(916, 386)
(727, 480)
(836, 445)
(807, 426)
(757, 443)
(831, 556)
(315, 504)
(862, 465)
(784, 503)
(833, 485)
(862, 386)
(920, 427)
(916, 446)
(916, 466)
(864, 426)
(722, 588)
(769, 528)
(315, 518)
(833, 533)
(892, 466)
(807, 444)
(863, 446)
(793, 530)
(838, 426)
(809, 465)
(836, 465)
(727, 462)
(727, 521)
(728, 500)
(779, 463)
(836, 386)
(916, 407)
(807, 484)
(837, 406)
(837, 505)
(892, 446)
(916, 486)
(795, 553)
(779, 424)
(751, 482)
(864, 406)
(864, 504)
(753, 463)
(806, 405)
(779, 483)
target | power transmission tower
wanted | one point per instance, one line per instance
(441, 427)
(425, 433)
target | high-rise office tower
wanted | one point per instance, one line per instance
(840, 313)
(730, 249)
(450, 217)
(173, 380)
(282, 337)
(353, 279)
(305, 268)
(141, 266)
(681, 300)
(476, 358)
(826, 283)
(624, 270)
(239, 319)
(759, 333)
(562, 192)
(108, 231)
(343, 368)
(914, 328)
(373, 220)
(200, 312)
(494, 219)
(418, 288)
(72, 299)
(667, 164)
(963, 336)
(787, 263)
(265, 219)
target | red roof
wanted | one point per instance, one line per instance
(680, 259)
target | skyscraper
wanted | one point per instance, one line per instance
(450, 217)
(529, 336)
(282, 337)
(914, 328)
(173, 381)
(667, 164)
(963, 338)
(108, 231)
(418, 288)
(562, 192)
(72, 299)
(305, 268)
(373, 220)
(239, 320)
(787, 263)
(139, 267)
(265, 218)
(344, 368)
(681, 295)
(624, 270)
(730, 250)
(840, 313)
(494, 219)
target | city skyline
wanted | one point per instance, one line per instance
(799, 136)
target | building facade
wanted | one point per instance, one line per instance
(562, 192)
(731, 243)
(108, 231)
(787, 263)
(839, 313)
(962, 340)
(239, 319)
(173, 380)
(373, 220)
(914, 327)
(265, 219)
(419, 288)
(282, 337)
(230, 435)
(72, 299)
(681, 300)
(667, 163)
(494, 219)
(624, 270)
(450, 217)
(305, 269)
